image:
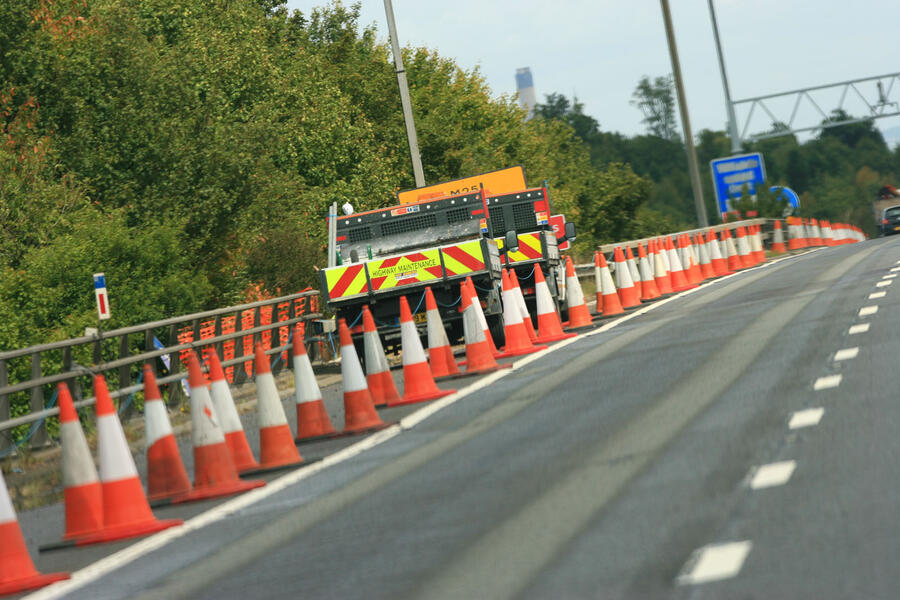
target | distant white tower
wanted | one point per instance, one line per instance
(525, 86)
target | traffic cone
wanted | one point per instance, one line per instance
(82, 494)
(214, 472)
(679, 281)
(313, 422)
(378, 373)
(126, 513)
(360, 415)
(691, 267)
(479, 358)
(815, 235)
(549, 324)
(734, 261)
(628, 294)
(743, 248)
(520, 300)
(166, 475)
(706, 269)
(608, 302)
(418, 382)
(17, 572)
(794, 242)
(579, 315)
(660, 271)
(473, 296)
(517, 340)
(719, 264)
(440, 354)
(633, 269)
(229, 420)
(827, 235)
(649, 291)
(756, 246)
(276, 442)
(778, 239)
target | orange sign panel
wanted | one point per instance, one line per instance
(495, 183)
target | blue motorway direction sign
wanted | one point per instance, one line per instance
(732, 173)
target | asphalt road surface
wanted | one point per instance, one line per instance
(737, 441)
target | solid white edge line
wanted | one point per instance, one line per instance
(806, 418)
(715, 562)
(827, 382)
(772, 474)
(110, 563)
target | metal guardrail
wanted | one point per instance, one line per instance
(132, 353)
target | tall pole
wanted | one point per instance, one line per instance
(685, 119)
(729, 107)
(404, 97)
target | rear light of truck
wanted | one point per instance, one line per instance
(884, 221)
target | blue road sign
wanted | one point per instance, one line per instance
(732, 173)
(785, 193)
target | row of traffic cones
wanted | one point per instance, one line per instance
(807, 233)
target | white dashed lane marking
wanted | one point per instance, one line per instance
(715, 562)
(877, 295)
(827, 382)
(895, 269)
(846, 353)
(861, 328)
(884, 283)
(772, 474)
(889, 276)
(806, 418)
(865, 311)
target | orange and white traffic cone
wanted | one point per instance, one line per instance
(479, 358)
(517, 340)
(229, 420)
(743, 249)
(705, 262)
(734, 260)
(81, 486)
(440, 354)
(126, 513)
(716, 259)
(276, 442)
(549, 324)
(579, 315)
(473, 296)
(815, 234)
(778, 239)
(679, 280)
(649, 291)
(628, 294)
(17, 572)
(608, 301)
(520, 301)
(166, 476)
(360, 415)
(633, 269)
(660, 270)
(378, 373)
(214, 472)
(691, 266)
(794, 240)
(313, 422)
(418, 382)
(756, 245)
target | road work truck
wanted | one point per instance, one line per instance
(436, 237)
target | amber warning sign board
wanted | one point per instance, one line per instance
(495, 183)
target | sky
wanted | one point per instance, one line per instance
(597, 50)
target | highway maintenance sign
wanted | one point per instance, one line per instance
(102, 297)
(732, 173)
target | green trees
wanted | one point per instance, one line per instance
(656, 100)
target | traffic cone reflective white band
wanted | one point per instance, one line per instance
(718, 263)
(520, 300)
(440, 354)
(479, 358)
(214, 471)
(734, 260)
(378, 373)
(660, 272)
(778, 238)
(81, 485)
(633, 270)
(608, 302)
(517, 340)
(628, 294)
(679, 281)
(276, 441)
(705, 261)
(359, 411)
(418, 381)
(743, 248)
(649, 291)
(166, 475)
(229, 420)
(313, 422)
(17, 572)
(579, 315)
(126, 512)
(473, 296)
(549, 323)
